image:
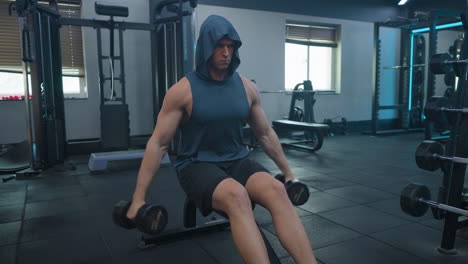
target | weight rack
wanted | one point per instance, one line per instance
(450, 192)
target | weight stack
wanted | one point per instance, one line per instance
(115, 131)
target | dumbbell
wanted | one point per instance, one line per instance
(429, 156)
(443, 63)
(415, 201)
(440, 109)
(150, 219)
(297, 191)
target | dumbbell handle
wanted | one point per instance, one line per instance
(454, 159)
(456, 61)
(404, 66)
(445, 207)
(463, 110)
(422, 65)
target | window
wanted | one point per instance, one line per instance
(311, 54)
(10, 53)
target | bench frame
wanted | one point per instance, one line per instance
(317, 132)
(190, 222)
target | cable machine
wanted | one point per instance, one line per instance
(41, 56)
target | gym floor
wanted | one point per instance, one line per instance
(352, 216)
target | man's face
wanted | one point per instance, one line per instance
(222, 54)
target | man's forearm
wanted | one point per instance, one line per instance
(272, 147)
(149, 166)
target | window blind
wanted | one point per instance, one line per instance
(70, 38)
(311, 35)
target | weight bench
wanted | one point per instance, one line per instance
(191, 228)
(190, 210)
(314, 139)
(98, 161)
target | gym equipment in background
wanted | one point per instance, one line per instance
(451, 157)
(313, 133)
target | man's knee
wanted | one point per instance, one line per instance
(230, 196)
(267, 189)
(278, 190)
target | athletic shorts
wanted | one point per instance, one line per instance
(199, 179)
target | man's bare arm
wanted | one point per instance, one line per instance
(263, 131)
(169, 118)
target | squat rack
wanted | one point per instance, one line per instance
(411, 99)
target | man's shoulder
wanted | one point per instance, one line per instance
(248, 84)
(179, 91)
(182, 84)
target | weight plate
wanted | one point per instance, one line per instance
(409, 199)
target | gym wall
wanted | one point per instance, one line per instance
(83, 116)
(262, 59)
(13, 120)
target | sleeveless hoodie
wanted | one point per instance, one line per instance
(219, 108)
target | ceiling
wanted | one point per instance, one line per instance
(361, 10)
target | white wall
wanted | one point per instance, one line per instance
(262, 59)
(13, 122)
(83, 116)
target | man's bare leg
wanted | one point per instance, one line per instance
(271, 194)
(232, 198)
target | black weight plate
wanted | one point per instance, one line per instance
(153, 219)
(433, 112)
(426, 155)
(298, 192)
(452, 50)
(449, 79)
(119, 215)
(438, 64)
(409, 199)
(280, 177)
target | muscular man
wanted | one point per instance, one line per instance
(210, 107)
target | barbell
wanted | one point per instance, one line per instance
(404, 66)
(415, 200)
(441, 63)
(440, 109)
(429, 156)
(288, 92)
(300, 93)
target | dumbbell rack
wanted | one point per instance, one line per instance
(454, 176)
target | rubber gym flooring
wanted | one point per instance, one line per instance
(352, 216)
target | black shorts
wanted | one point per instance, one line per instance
(199, 179)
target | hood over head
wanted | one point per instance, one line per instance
(212, 30)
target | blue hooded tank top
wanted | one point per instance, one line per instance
(219, 108)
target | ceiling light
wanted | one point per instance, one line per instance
(402, 2)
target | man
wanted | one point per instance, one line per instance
(210, 107)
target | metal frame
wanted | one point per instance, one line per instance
(430, 91)
(402, 106)
(405, 102)
(454, 179)
(45, 114)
